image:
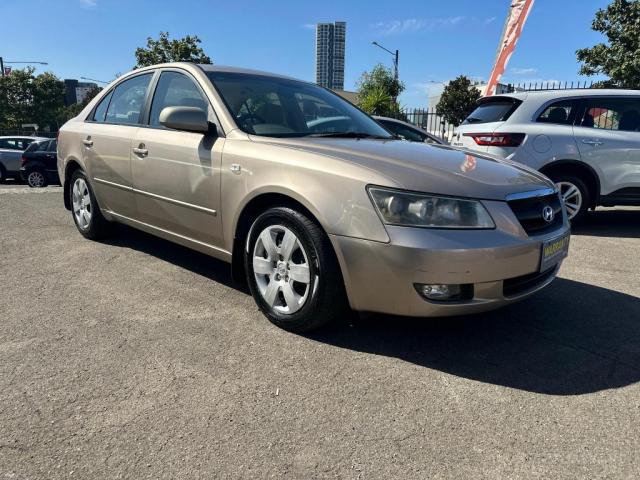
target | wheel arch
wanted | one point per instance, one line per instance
(250, 211)
(581, 169)
(71, 166)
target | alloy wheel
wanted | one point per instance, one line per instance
(81, 200)
(35, 179)
(281, 269)
(571, 196)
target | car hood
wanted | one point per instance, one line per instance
(438, 169)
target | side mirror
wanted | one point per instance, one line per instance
(189, 119)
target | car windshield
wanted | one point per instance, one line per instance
(279, 107)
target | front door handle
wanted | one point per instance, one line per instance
(141, 150)
(88, 142)
(594, 142)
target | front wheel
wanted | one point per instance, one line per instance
(575, 195)
(292, 271)
(36, 179)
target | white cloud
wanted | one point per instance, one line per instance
(489, 20)
(523, 71)
(412, 25)
(309, 26)
(89, 3)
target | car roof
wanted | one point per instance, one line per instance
(25, 137)
(566, 93)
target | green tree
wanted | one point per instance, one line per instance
(620, 58)
(458, 100)
(68, 112)
(164, 49)
(378, 92)
(26, 98)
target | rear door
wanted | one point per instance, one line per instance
(107, 139)
(607, 132)
(176, 174)
(10, 153)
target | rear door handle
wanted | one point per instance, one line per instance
(594, 142)
(140, 150)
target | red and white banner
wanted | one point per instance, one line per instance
(519, 11)
(7, 70)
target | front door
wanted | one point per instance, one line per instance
(107, 142)
(608, 137)
(176, 175)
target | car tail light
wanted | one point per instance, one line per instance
(23, 160)
(497, 139)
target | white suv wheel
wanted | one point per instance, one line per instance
(572, 197)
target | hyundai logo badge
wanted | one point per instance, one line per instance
(548, 214)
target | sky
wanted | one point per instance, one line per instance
(438, 40)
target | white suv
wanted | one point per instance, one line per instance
(586, 141)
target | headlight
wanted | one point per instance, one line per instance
(397, 207)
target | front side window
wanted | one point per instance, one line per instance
(175, 90)
(559, 113)
(279, 107)
(611, 114)
(127, 100)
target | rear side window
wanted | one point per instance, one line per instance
(175, 90)
(611, 114)
(101, 110)
(11, 144)
(559, 113)
(497, 110)
(127, 100)
(53, 146)
(39, 146)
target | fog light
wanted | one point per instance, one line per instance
(445, 292)
(439, 291)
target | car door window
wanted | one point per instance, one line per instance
(11, 144)
(127, 100)
(404, 132)
(53, 146)
(611, 114)
(175, 90)
(560, 113)
(100, 112)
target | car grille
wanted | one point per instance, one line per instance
(529, 213)
(517, 285)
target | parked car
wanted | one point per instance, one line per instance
(586, 141)
(11, 149)
(408, 131)
(39, 164)
(224, 161)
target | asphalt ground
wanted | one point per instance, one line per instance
(137, 358)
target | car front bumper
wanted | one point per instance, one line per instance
(380, 277)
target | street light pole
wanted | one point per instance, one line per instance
(2, 62)
(395, 58)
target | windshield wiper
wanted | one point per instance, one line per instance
(348, 135)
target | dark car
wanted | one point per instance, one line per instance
(38, 164)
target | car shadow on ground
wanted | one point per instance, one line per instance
(572, 338)
(610, 223)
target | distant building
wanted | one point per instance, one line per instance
(349, 96)
(75, 91)
(330, 41)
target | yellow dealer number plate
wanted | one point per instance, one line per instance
(553, 251)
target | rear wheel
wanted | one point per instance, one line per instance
(36, 179)
(292, 271)
(85, 210)
(574, 193)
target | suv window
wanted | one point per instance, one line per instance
(559, 113)
(101, 110)
(611, 114)
(11, 144)
(127, 100)
(403, 131)
(175, 89)
(496, 110)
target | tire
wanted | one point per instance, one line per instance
(581, 199)
(277, 278)
(85, 210)
(36, 178)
